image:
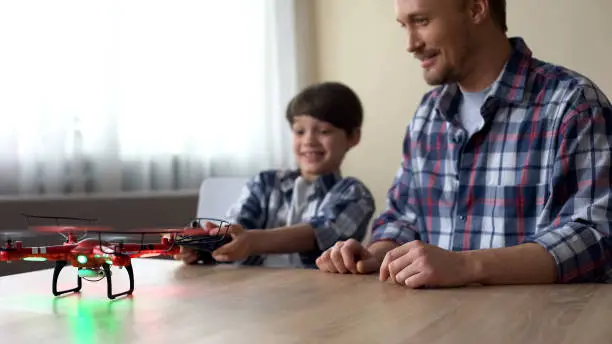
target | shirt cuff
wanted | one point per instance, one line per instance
(390, 231)
(577, 249)
(326, 237)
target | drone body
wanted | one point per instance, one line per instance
(94, 257)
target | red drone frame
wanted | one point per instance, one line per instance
(94, 257)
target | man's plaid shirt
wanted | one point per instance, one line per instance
(539, 170)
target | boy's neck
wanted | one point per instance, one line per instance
(313, 177)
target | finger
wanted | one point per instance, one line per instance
(336, 258)
(324, 263)
(384, 268)
(348, 251)
(400, 264)
(367, 266)
(226, 252)
(209, 225)
(226, 230)
(404, 274)
(417, 280)
(390, 257)
(188, 257)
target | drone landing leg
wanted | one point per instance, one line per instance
(59, 265)
(109, 282)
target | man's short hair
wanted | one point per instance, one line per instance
(497, 10)
(331, 102)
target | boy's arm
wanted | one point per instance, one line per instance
(343, 214)
(249, 210)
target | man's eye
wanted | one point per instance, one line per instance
(421, 21)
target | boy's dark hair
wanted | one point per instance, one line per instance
(332, 102)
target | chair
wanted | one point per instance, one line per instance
(218, 194)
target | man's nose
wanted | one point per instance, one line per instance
(413, 42)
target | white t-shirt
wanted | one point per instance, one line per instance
(297, 208)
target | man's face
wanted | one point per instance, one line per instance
(439, 34)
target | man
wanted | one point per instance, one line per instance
(506, 172)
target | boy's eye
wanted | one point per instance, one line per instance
(298, 131)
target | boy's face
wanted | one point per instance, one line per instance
(319, 147)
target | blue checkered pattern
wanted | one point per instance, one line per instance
(539, 171)
(337, 208)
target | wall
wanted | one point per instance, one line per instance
(360, 43)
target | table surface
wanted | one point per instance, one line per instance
(174, 303)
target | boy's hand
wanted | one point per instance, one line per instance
(348, 257)
(187, 255)
(239, 248)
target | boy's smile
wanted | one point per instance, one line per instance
(319, 147)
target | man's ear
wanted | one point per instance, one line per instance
(478, 10)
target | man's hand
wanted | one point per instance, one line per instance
(239, 248)
(348, 257)
(417, 264)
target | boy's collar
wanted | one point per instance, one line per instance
(324, 182)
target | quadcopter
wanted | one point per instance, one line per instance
(94, 256)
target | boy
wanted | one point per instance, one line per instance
(288, 218)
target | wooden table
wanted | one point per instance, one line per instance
(173, 303)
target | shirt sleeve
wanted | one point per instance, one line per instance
(344, 213)
(249, 210)
(398, 222)
(581, 203)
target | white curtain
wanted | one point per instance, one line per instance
(125, 95)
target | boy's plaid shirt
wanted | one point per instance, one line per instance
(539, 171)
(337, 208)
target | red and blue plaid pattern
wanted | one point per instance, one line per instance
(539, 170)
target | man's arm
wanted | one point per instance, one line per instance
(576, 243)
(579, 237)
(576, 247)
(522, 264)
(398, 222)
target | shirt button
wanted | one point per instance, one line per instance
(458, 138)
(461, 217)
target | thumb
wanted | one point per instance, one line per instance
(225, 252)
(368, 265)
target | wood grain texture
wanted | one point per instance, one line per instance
(173, 303)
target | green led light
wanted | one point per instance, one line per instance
(82, 259)
(109, 262)
(88, 273)
(35, 259)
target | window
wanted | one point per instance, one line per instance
(110, 96)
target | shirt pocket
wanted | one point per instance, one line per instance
(515, 210)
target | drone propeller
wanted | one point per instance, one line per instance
(11, 234)
(70, 229)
